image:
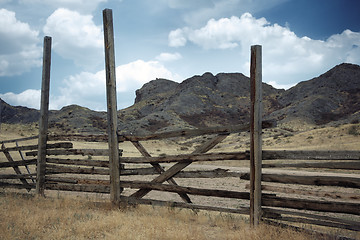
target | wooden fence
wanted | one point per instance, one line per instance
(271, 195)
(286, 194)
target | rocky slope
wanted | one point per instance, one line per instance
(209, 100)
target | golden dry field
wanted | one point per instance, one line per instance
(90, 216)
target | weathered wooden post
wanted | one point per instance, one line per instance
(44, 115)
(111, 106)
(255, 134)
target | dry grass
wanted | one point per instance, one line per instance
(29, 217)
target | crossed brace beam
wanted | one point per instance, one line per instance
(16, 168)
(176, 168)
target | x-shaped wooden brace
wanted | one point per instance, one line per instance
(172, 171)
(16, 168)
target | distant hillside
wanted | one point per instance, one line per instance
(333, 96)
(210, 100)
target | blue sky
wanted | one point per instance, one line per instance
(173, 39)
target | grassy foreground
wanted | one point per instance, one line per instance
(30, 217)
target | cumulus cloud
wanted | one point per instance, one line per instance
(89, 89)
(75, 37)
(196, 13)
(82, 6)
(285, 55)
(29, 98)
(167, 57)
(20, 50)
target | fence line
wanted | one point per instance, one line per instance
(69, 162)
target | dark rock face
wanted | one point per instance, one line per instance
(332, 96)
(11, 114)
(209, 100)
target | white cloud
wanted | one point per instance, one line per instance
(287, 58)
(75, 37)
(196, 13)
(29, 98)
(83, 6)
(19, 50)
(167, 57)
(88, 89)
(133, 75)
(177, 38)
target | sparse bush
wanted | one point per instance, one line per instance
(184, 148)
(354, 130)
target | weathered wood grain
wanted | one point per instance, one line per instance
(34, 147)
(18, 163)
(132, 200)
(79, 187)
(346, 165)
(316, 193)
(311, 155)
(187, 158)
(16, 168)
(57, 169)
(347, 224)
(181, 165)
(314, 205)
(340, 181)
(187, 190)
(158, 168)
(80, 162)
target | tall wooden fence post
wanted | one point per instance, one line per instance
(44, 115)
(111, 106)
(255, 134)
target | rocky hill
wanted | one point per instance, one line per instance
(209, 100)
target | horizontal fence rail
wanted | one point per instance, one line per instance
(82, 170)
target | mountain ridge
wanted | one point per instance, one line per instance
(213, 100)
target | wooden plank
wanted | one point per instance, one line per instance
(79, 188)
(82, 152)
(353, 224)
(132, 200)
(79, 137)
(16, 185)
(316, 234)
(340, 181)
(19, 139)
(319, 223)
(24, 161)
(187, 190)
(16, 168)
(111, 106)
(18, 163)
(313, 205)
(138, 171)
(34, 147)
(17, 176)
(216, 173)
(187, 158)
(346, 165)
(44, 116)
(311, 155)
(181, 165)
(158, 168)
(80, 162)
(73, 180)
(316, 193)
(56, 169)
(255, 134)
(195, 132)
